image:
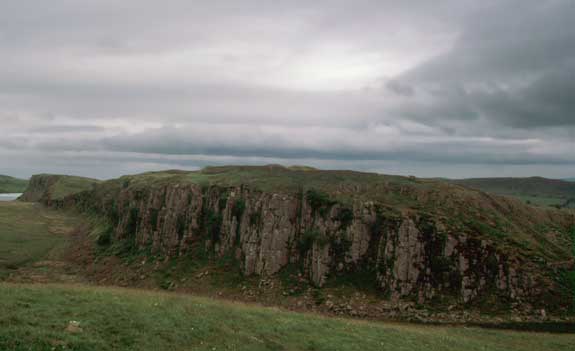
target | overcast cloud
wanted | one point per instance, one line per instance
(431, 88)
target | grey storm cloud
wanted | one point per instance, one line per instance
(438, 87)
(513, 64)
(400, 88)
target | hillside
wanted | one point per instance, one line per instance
(47, 188)
(10, 185)
(88, 318)
(408, 239)
(534, 190)
(30, 233)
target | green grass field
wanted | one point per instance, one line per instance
(28, 233)
(36, 318)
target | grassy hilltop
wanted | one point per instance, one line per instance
(10, 185)
(49, 187)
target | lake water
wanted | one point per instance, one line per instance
(9, 197)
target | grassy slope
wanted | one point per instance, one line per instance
(12, 185)
(28, 233)
(55, 187)
(344, 185)
(274, 178)
(35, 317)
(536, 190)
(67, 185)
(570, 275)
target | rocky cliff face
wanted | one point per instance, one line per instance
(407, 254)
(38, 186)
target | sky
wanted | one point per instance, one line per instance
(450, 88)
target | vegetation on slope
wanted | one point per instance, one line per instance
(570, 275)
(275, 178)
(52, 317)
(29, 233)
(47, 187)
(10, 185)
(534, 190)
(71, 185)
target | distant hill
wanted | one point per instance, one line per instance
(533, 190)
(569, 179)
(49, 187)
(12, 185)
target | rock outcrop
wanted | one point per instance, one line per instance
(407, 253)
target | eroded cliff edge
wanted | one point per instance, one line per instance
(414, 239)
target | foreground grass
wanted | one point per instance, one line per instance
(36, 317)
(28, 233)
